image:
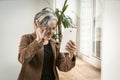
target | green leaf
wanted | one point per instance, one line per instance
(64, 5)
(67, 21)
(64, 9)
(62, 19)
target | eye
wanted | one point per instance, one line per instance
(42, 30)
(54, 28)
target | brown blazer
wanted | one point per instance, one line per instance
(31, 57)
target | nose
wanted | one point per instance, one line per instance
(50, 31)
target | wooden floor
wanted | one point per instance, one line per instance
(82, 71)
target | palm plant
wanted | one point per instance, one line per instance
(64, 20)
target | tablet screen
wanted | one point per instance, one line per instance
(68, 34)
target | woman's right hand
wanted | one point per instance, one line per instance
(39, 32)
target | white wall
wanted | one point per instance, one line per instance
(16, 19)
(111, 41)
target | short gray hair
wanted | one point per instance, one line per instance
(45, 16)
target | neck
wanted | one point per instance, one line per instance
(45, 42)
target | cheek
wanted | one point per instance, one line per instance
(53, 31)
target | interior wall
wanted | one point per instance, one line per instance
(16, 19)
(111, 41)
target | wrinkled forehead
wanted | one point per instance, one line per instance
(52, 24)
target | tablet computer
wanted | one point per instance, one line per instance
(68, 34)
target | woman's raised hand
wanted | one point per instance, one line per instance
(40, 31)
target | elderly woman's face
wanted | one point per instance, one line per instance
(50, 31)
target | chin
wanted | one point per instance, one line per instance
(49, 38)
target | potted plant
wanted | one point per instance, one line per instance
(64, 20)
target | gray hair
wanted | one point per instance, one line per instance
(45, 16)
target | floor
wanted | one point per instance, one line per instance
(82, 71)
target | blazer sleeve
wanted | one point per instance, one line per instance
(64, 62)
(27, 49)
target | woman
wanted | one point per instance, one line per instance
(39, 53)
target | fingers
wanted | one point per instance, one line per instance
(70, 50)
(40, 34)
(43, 33)
(37, 26)
(72, 42)
(37, 23)
(71, 47)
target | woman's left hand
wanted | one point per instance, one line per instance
(71, 47)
